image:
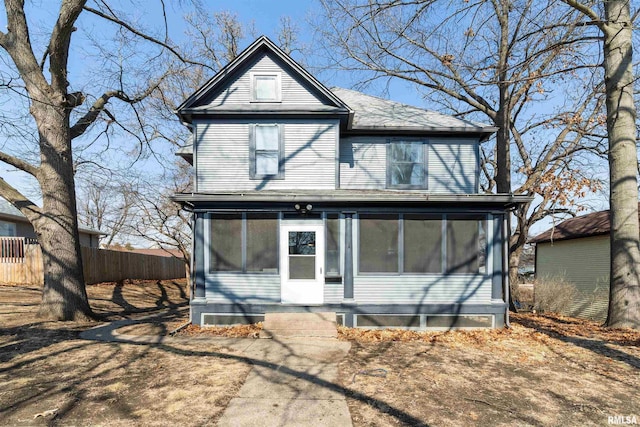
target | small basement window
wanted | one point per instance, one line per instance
(387, 321)
(460, 321)
(231, 319)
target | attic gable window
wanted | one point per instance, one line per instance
(406, 164)
(266, 151)
(265, 87)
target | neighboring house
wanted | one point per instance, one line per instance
(314, 199)
(14, 224)
(577, 251)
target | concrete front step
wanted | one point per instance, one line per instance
(299, 325)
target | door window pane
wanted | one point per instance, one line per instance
(302, 242)
(466, 244)
(262, 243)
(225, 243)
(302, 267)
(378, 243)
(422, 244)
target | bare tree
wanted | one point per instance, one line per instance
(615, 24)
(105, 203)
(158, 219)
(44, 84)
(492, 60)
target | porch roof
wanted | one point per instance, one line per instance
(352, 197)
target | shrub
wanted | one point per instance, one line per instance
(553, 294)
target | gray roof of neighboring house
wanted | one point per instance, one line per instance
(373, 113)
(8, 211)
(7, 208)
(593, 224)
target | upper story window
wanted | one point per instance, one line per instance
(266, 151)
(265, 87)
(406, 164)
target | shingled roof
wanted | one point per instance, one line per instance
(373, 113)
(593, 224)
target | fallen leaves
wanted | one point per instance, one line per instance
(236, 331)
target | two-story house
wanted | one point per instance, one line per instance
(315, 199)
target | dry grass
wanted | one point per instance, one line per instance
(46, 369)
(545, 370)
(238, 331)
(553, 295)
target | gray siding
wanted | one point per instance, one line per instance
(245, 288)
(294, 91)
(333, 293)
(583, 262)
(222, 159)
(422, 289)
(452, 164)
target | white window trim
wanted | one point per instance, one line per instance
(278, 76)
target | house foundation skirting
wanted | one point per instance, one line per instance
(409, 316)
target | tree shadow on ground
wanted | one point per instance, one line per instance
(598, 345)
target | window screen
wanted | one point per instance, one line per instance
(378, 243)
(466, 244)
(262, 242)
(422, 244)
(333, 246)
(225, 243)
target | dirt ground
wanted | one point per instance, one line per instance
(51, 377)
(546, 370)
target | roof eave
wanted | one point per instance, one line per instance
(242, 57)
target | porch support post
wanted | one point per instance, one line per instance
(198, 256)
(497, 272)
(348, 257)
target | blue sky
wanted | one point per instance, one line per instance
(265, 15)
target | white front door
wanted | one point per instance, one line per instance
(302, 264)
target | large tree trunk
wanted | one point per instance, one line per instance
(64, 295)
(624, 303)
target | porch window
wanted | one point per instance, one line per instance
(422, 243)
(225, 251)
(332, 246)
(243, 243)
(466, 244)
(378, 243)
(406, 165)
(265, 87)
(266, 151)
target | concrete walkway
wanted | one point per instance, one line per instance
(293, 381)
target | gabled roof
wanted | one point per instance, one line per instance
(593, 224)
(377, 114)
(190, 105)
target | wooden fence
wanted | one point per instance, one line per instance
(21, 263)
